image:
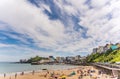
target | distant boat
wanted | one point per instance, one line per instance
(44, 69)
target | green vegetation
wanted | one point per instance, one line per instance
(35, 59)
(109, 56)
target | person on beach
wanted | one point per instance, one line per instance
(56, 77)
(15, 75)
(99, 72)
(45, 75)
(78, 71)
(52, 75)
(47, 71)
(22, 73)
(33, 72)
(81, 76)
(10, 77)
(4, 75)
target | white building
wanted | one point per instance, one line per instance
(100, 49)
(60, 59)
(106, 47)
(77, 57)
(70, 58)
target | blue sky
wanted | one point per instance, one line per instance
(56, 27)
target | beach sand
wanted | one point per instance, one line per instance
(73, 73)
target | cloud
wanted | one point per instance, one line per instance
(101, 24)
(45, 7)
(72, 27)
(29, 20)
(9, 52)
(99, 3)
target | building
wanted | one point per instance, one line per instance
(52, 59)
(70, 58)
(23, 61)
(114, 47)
(60, 59)
(118, 45)
(94, 50)
(77, 57)
(100, 49)
(106, 47)
(103, 49)
(57, 59)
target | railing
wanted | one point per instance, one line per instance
(109, 66)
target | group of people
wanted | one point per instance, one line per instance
(22, 73)
(53, 75)
(85, 72)
(78, 73)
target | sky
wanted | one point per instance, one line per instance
(56, 27)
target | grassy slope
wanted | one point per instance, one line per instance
(109, 56)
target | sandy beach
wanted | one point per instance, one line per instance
(82, 72)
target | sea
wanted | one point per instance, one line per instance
(12, 68)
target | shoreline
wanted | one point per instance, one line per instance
(13, 73)
(36, 68)
(28, 72)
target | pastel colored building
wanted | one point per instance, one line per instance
(100, 49)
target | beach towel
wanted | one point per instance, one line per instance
(63, 77)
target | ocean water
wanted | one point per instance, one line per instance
(16, 68)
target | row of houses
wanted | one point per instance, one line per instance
(70, 59)
(103, 49)
(62, 60)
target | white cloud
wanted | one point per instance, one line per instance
(97, 21)
(66, 8)
(101, 22)
(45, 7)
(27, 19)
(99, 26)
(98, 3)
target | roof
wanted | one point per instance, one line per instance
(113, 47)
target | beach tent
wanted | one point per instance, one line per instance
(71, 74)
